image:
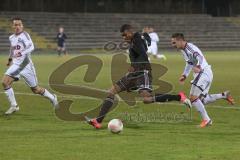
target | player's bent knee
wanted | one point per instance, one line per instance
(114, 90)
(193, 98)
(34, 90)
(37, 90)
(111, 95)
(6, 83)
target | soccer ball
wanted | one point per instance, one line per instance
(115, 126)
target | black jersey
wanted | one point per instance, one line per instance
(61, 38)
(138, 52)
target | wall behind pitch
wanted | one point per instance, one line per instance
(214, 7)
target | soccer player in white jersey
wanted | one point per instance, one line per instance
(203, 76)
(153, 48)
(21, 65)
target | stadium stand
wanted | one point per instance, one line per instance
(93, 30)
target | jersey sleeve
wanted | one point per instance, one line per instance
(65, 36)
(138, 45)
(154, 37)
(10, 52)
(187, 69)
(199, 59)
(28, 44)
(10, 49)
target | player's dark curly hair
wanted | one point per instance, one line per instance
(125, 27)
(178, 36)
(17, 18)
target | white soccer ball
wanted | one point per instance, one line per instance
(115, 126)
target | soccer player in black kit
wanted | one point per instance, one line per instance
(138, 77)
(61, 37)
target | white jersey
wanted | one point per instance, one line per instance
(193, 57)
(202, 81)
(21, 47)
(154, 40)
(20, 51)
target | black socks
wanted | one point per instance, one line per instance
(166, 97)
(107, 104)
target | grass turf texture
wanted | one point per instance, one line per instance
(36, 133)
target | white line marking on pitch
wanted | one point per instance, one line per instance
(91, 98)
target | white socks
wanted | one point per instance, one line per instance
(213, 97)
(11, 97)
(48, 95)
(201, 109)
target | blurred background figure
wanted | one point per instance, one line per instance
(153, 48)
(61, 38)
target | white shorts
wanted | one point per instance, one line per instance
(153, 49)
(202, 82)
(26, 72)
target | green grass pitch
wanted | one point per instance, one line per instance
(35, 132)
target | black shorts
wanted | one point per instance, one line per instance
(61, 45)
(139, 80)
